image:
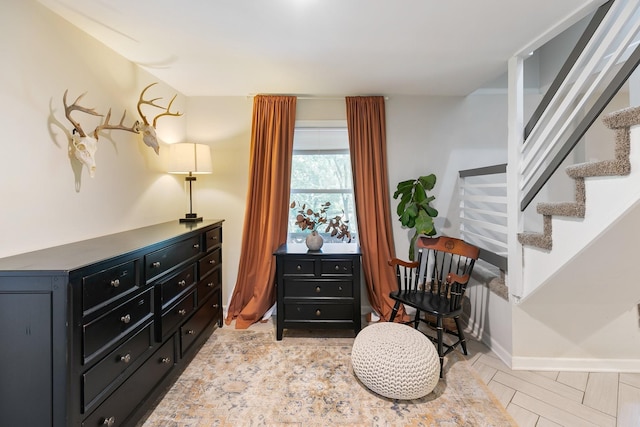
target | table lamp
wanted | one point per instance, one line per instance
(190, 159)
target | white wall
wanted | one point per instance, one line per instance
(46, 199)
(442, 135)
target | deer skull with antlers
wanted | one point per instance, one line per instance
(84, 145)
(149, 130)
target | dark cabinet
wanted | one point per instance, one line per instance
(318, 289)
(94, 332)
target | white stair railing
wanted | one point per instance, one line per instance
(483, 212)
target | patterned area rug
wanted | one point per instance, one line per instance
(247, 378)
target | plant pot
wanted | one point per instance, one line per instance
(314, 241)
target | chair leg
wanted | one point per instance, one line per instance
(394, 312)
(439, 329)
(416, 320)
(461, 337)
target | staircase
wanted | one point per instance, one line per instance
(620, 122)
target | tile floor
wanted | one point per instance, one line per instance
(551, 399)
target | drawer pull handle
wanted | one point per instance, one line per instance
(125, 319)
(196, 246)
(165, 360)
(337, 267)
(115, 283)
(298, 267)
(182, 312)
(109, 421)
(126, 358)
(191, 332)
(214, 237)
(318, 312)
(318, 289)
(210, 285)
(156, 264)
(340, 288)
(215, 306)
(212, 261)
(181, 283)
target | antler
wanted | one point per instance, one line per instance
(151, 102)
(69, 108)
(121, 126)
(167, 112)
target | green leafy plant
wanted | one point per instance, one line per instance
(309, 219)
(414, 207)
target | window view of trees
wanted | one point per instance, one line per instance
(319, 176)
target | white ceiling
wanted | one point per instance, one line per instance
(320, 47)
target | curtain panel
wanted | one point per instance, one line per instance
(267, 208)
(366, 124)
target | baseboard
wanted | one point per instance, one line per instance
(575, 364)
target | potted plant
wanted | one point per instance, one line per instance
(414, 209)
(315, 220)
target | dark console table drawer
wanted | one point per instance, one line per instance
(210, 262)
(318, 311)
(106, 285)
(107, 329)
(319, 289)
(175, 315)
(171, 256)
(98, 378)
(175, 286)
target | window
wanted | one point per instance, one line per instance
(320, 173)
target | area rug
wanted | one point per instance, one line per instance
(247, 378)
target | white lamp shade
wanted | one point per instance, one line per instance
(187, 158)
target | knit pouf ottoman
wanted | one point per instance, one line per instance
(395, 361)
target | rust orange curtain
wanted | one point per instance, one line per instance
(267, 209)
(368, 145)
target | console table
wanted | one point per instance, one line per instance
(318, 289)
(94, 332)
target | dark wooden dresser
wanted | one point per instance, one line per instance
(318, 289)
(94, 332)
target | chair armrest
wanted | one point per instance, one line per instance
(452, 277)
(398, 261)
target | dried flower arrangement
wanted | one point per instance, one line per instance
(308, 219)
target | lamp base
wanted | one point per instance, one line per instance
(191, 217)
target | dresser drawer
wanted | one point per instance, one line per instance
(209, 262)
(102, 287)
(205, 315)
(98, 378)
(176, 285)
(175, 315)
(342, 267)
(119, 406)
(207, 285)
(106, 330)
(299, 267)
(317, 289)
(213, 238)
(168, 257)
(315, 310)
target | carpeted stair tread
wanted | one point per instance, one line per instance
(601, 168)
(620, 122)
(538, 240)
(624, 118)
(571, 209)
